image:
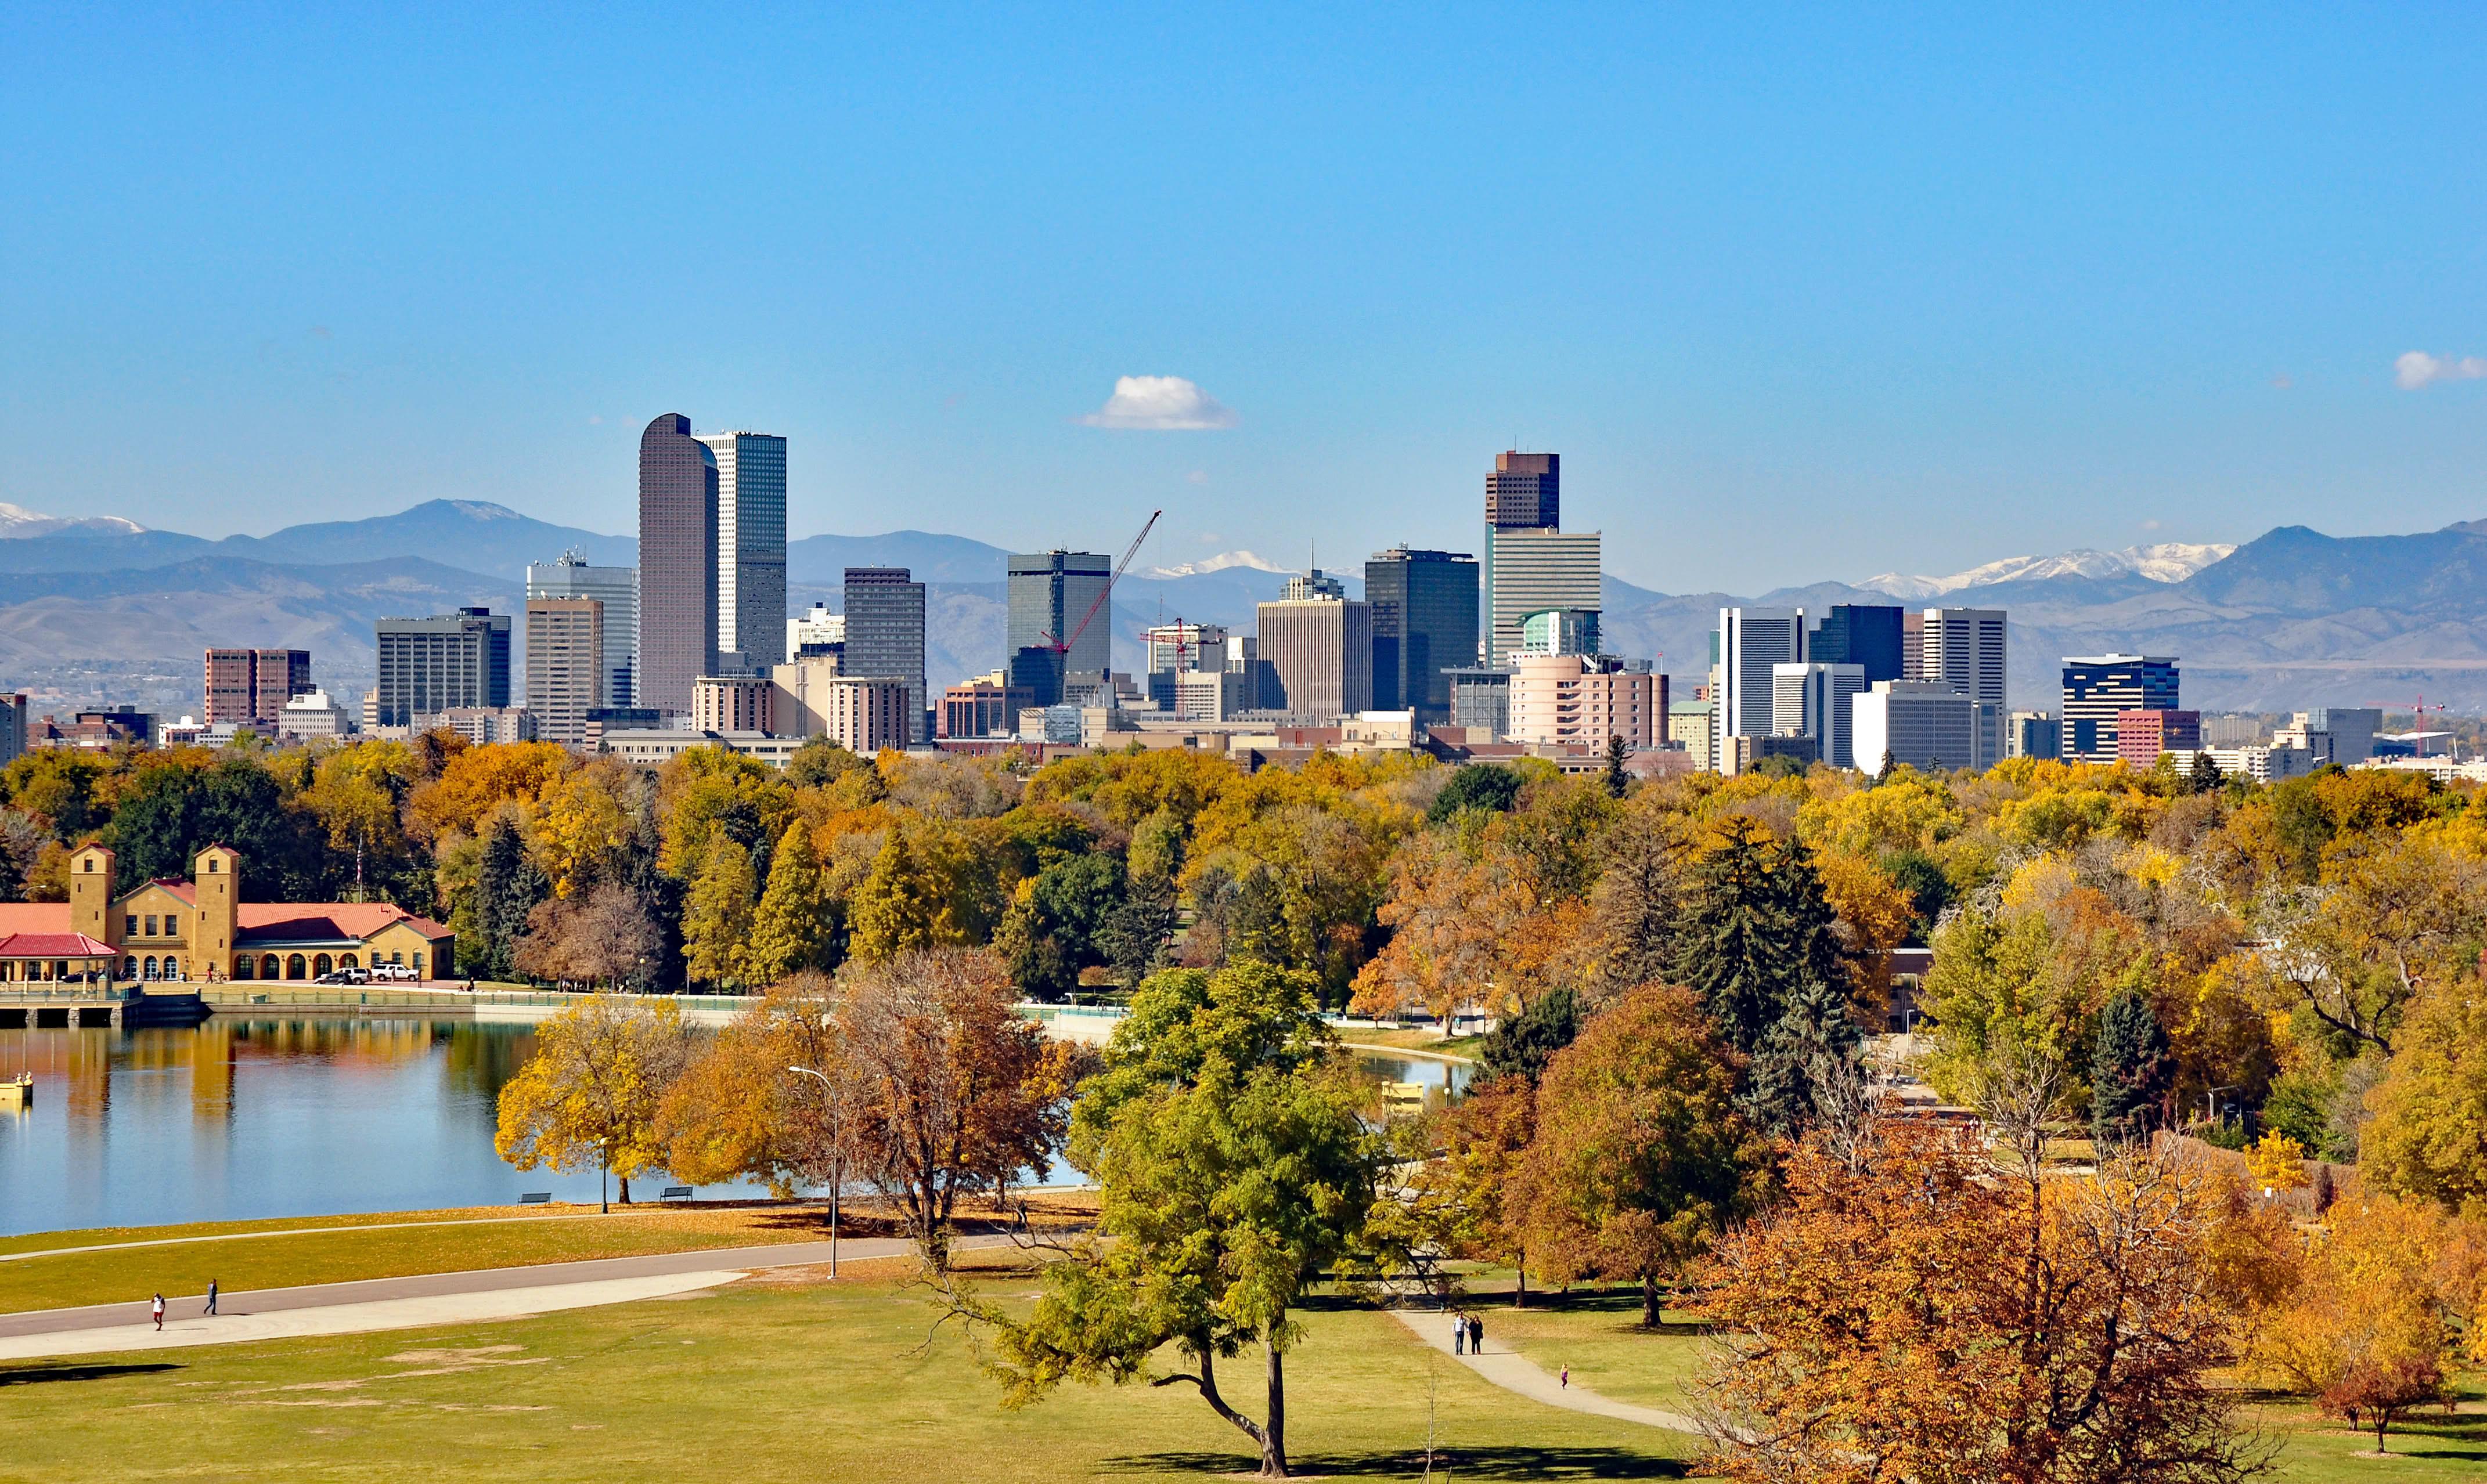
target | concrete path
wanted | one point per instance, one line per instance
(411, 1302)
(1515, 1372)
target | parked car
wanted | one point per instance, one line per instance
(392, 971)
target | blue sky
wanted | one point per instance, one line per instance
(1798, 294)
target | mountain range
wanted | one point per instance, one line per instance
(98, 607)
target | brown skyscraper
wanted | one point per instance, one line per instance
(251, 686)
(1525, 491)
(676, 562)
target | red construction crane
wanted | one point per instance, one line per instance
(1063, 645)
(2418, 718)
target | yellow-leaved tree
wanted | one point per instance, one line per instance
(589, 1095)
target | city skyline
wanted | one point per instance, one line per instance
(1909, 282)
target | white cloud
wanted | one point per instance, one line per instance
(2416, 369)
(1161, 404)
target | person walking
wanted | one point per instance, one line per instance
(1459, 1333)
(1476, 1335)
(212, 1296)
(1567, 1378)
(157, 1309)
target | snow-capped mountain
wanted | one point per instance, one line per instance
(2168, 561)
(17, 522)
(1220, 562)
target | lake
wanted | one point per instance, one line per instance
(243, 1118)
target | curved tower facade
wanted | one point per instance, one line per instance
(676, 562)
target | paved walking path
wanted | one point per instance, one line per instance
(1515, 1372)
(411, 1302)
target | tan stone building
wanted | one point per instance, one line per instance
(199, 929)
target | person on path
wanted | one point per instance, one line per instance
(1567, 1378)
(212, 1296)
(157, 1309)
(1459, 1333)
(1476, 1335)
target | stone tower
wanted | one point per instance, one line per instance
(216, 881)
(91, 895)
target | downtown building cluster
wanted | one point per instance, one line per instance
(1471, 655)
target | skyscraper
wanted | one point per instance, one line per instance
(1753, 643)
(250, 687)
(1424, 626)
(2097, 687)
(1867, 633)
(1051, 592)
(567, 665)
(617, 588)
(884, 613)
(1964, 649)
(750, 548)
(1529, 562)
(1812, 698)
(1319, 658)
(453, 662)
(678, 548)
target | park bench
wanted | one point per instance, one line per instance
(535, 1199)
(676, 1192)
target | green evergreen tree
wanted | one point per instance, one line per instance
(508, 886)
(1521, 1045)
(1617, 780)
(791, 930)
(2205, 777)
(1732, 952)
(2131, 1070)
(1811, 1038)
(716, 920)
(1485, 785)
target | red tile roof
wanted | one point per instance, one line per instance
(33, 916)
(302, 921)
(53, 946)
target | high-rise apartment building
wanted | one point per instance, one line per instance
(2100, 687)
(865, 713)
(1525, 491)
(1867, 633)
(1752, 643)
(250, 687)
(678, 553)
(617, 588)
(1811, 699)
(1319, 658)
(1424, 626)
(453, 662)
(567, 663)
(725, 703)
(1584, 699)
(884, 613)
(1533, 570)
(12, 726)
(1050, 594)
(751, 549)
(1962, 647)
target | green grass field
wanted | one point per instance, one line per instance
(771, 1382)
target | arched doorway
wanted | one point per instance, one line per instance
(347, 961)
(150, 966)
(322, 964)
(243, 967)
(294, 968)
(267, 966)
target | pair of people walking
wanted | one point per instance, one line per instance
(1467, 1333)
(155, 1306)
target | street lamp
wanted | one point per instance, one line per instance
(837, 1155)
(604, 1206)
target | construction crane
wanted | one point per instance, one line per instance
(1062, 646)
(2418, 718)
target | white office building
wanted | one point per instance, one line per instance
(815, 629)
(1533, 570)
(750, 548)
(1921, 723)
(1753, 644)
(1810, 699)
(617, 588)
(312, 714)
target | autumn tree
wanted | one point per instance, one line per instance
(1910, 1312)
(792, 928)
(1232, 1168)
(1641, 1155)
(740, 1112)
(605, 937)
(952, 1092)
(716, 919)
(1485, 1135)
(508, 886)
(2363, 1332)
(590, 1094)
(2428, 1137)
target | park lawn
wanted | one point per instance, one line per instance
(347, 1249)
(2321, 1450)
(775, 1378)
(1597, 1333)
(1463, 1046)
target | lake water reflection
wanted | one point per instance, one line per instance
(248, 1119)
